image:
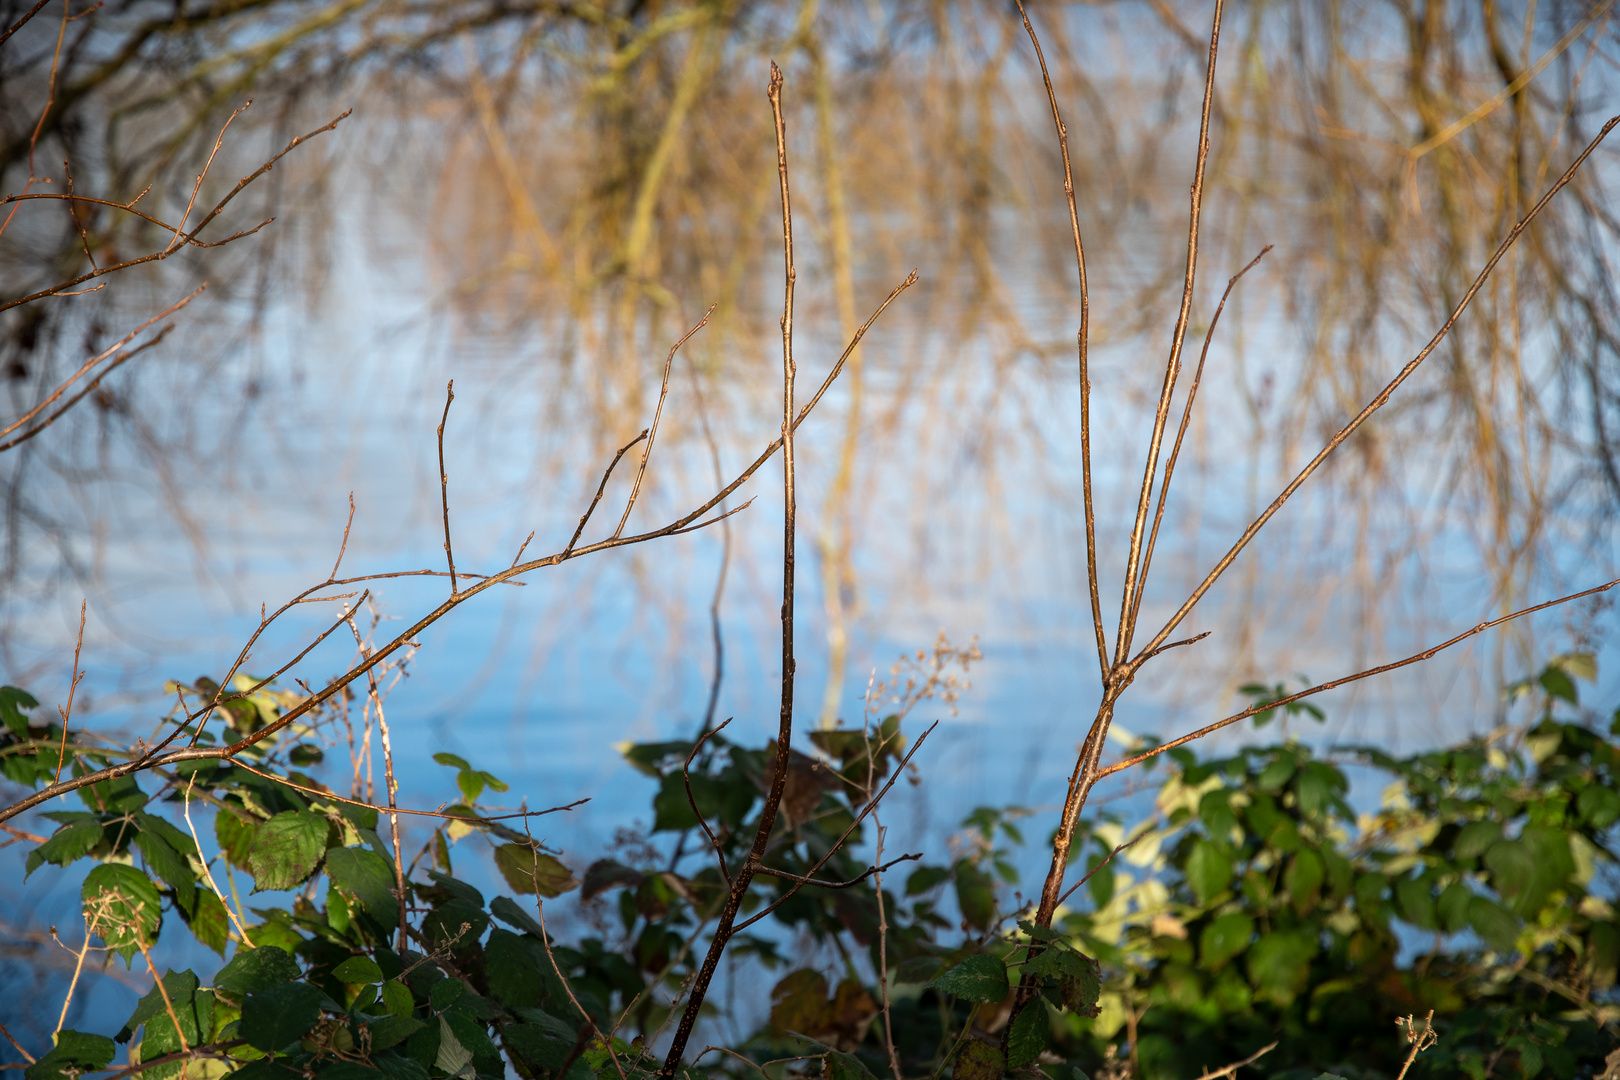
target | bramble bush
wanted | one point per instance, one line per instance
(1253, 906)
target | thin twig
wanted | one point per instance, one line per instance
(686, 777)
(862, 876)
(1383, 395)
(1106, 859)
(12, 29)
(444, 483)
(1181, 432)
(784, 736)
(1083, 339)
(17, 1045)
(652, 432)
(1231, 1070)
(883, 949)
(1357, 677)
(87, 389)
(1135, 565)
(606, 473)
(73, 688)
(98, 358)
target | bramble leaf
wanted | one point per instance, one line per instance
(286, 849)
(978, 978)
(122, 907)
(277, 1017)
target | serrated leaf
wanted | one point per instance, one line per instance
(257, 969)
(74, 841)
(528, 871)
(390, 1030)
(979, 1061)
(507, 910)
(978, 978)
(358, 970)
(452, 1058)
(286, 849)
(396, 997)
(210, 923)
(13, 702)
(367, 878)
(514, 972)
(163, 861)
(74, 1052)
(277, 1017)
(1029, 1034)
(122, 907)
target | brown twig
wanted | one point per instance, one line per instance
(153, 758)
(784, 736)
(600, 488)
(1083, 339)
(94, 360)
(1357, 677)
(444, 483)
(89, 388)
(883, 951)
(1135, 568)
(852, 882)
(12, 29)
(15, 1044)
(686, 777)
(1231, 1070)
(73, 688)
(1421, 1040)
(219, 141)
(190, 238)
(1106, 859)
(1181, 432)
(1383, 395)
(652, 432)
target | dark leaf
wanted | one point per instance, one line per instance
(366, 878)
(358, 970)
(1209, 870)
(251, 970)
(390, 1030)
(286, 849)
(1029, 1034)
(72, 841)
(528, 871)
(605, 874)
(979, 1061)
(978, 978)
(208, 920)
(275, 1018)
(74, 1052)
(1495, 924)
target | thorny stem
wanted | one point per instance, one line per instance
(1083, 339)
(1135, 572)
(784, 736)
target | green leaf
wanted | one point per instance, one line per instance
(506, 909)
(286, 849)
(368, 879)
(1494, 923)
(1209, 871)
(1417, 902)
(975, 895)
(453, 1058)
(390, 1030)
(535, 1044)
(1452, 907)
(979, 1061)
(179, 986)
(1303, 879)
(452, 760)
(235, 835)
(75, 1051)
(358, 971)
(277, 1017)
(397, 999)
(470, 1033)
(195, 1010)
(12, 703)
(1558, 684)
(1224, 938)
(978, 978)
(251, 970)
(842, 1066)
(444, 924)
(163, 861)
(209, 922)
(1599, 805)
(1475, 838)
(1279, 964)
(446, 992)
(1029, 1034)
(514, 971)
(73, 841)
(925, 878)
(122, 907)
(528, 871)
